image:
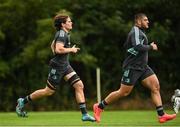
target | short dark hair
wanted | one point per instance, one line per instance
(58, 19)
(139, 16)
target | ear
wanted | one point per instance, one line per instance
(139, 22)
(62, 24)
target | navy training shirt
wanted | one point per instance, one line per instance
(62, 60)
(137, 48)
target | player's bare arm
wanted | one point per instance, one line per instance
(60, 49)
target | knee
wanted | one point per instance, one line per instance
(78, 85)
(126, 93)
(156, 87)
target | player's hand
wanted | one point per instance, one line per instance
(75, 49)
(154, 46)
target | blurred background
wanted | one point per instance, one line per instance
(100, 28)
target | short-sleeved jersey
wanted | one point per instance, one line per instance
(62, 60)
(137, 49)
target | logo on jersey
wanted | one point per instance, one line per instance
(61, 34)
(125, 79)
(126, 73)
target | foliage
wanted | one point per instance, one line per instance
(100, 29)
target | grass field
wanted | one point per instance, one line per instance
(72, 119)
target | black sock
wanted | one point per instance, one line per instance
(160, 111)
(82, 107)
(27, 99)
(102, 104)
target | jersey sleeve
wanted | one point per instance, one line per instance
(141, 47)
(138, 41)
(60, 37)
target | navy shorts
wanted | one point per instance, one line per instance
(56, 74)
(131, 76)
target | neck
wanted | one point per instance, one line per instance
(138, 25)
(67, 31)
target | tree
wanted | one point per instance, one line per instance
(100, 29)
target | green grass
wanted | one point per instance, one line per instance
(67, 119)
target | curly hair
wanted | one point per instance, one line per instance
(58, 20)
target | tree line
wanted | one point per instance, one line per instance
(100, 29)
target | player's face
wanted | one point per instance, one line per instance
(68, 24)
(145, 22)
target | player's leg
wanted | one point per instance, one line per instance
(128, 81)
(47, 91)
(75, 81)
(40, 94)
(176, 100)
(151, 81)
(33, 96)
(176, 105)
(123, 91)
(79, 93)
